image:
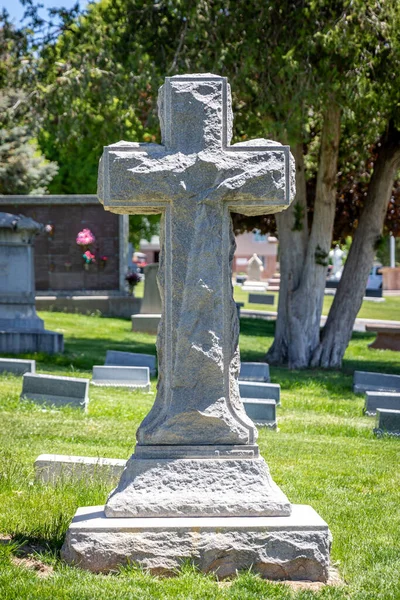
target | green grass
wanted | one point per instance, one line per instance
(324, 454)
(388, 310)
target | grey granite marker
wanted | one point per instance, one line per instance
(17, 366)
(252, 371)
(387, 422)
(254, 389)
(374, 400)
(131, 359)
(55, 390)
(365, 381)
(196, 454)
(130, 377)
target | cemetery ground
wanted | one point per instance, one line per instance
(324, 454)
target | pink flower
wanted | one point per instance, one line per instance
(85, 237)
(88, 257)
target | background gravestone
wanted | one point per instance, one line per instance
(150, 310)
(21, 330)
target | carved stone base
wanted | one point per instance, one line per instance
(295, 547)
(220, 485)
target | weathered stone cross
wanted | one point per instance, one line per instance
(195, 178)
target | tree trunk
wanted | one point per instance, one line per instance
(304, 258)
(349, 295)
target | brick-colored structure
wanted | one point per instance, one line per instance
(59, 265)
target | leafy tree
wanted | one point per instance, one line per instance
(322, 76)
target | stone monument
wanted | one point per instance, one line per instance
(196, 486)
(21, 330)
(254, 270)
(150, 311)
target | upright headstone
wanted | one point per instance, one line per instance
(21, 330)
(254, 270)
(150, 311)
(196, 454)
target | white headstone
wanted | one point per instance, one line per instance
(196, 454)
(255, 268)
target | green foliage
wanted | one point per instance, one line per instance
(298, 224)
(23, 169)
(321, 256)
(143, 228)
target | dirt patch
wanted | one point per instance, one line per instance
(33, 563)
(314, 586)
(25, 557)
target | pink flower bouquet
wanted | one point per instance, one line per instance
(85, 237)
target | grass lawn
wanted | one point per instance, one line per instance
(324, 454)
(388, 310)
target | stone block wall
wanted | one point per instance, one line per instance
(59, 265)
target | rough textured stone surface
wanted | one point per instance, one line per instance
(50, 468)
(365, 381)
(57, 391)
(252, 371)
(131, 359)
(261, 412)
(21, 330)
(17, 366)
(195, 179)
(254, 389)
(131, 377)
(196, 487)
(374, 400)
(295, 547)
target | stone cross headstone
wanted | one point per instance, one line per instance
(196, 454)
(255, 268)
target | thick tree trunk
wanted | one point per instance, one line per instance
(349, 295)
(303, 258)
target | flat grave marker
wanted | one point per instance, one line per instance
(375, 400)
(17, 366)
(387, 422)
(253, 371)
(261, 299)
(56, 391)
(365, 381)
(254, 389)
(130, 377)
(116, 358)
(261, 412)
(49, 468)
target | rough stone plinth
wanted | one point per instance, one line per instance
(375, 400)
(50, 468)
(253, 371)
(220, 485)
(295, 547)
(56, 391)
(365, 381)
(17, 366)
(131, 359)
(130, 377)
